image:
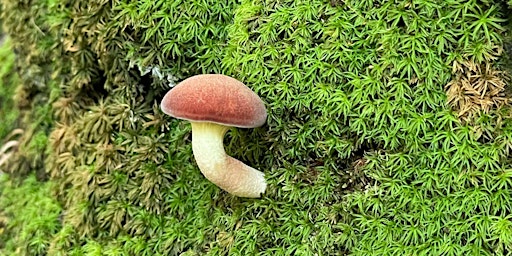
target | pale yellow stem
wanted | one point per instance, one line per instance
(224, 171)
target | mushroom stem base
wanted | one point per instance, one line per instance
(224, 171)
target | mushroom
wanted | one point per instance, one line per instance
(214, 103)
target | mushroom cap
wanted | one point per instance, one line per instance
(217, 99)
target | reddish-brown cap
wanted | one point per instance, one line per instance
(215, 98)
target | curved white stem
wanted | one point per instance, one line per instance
(224, 171)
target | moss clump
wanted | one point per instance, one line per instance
(363, 152)
(29, 216)
(33, 64)
(8, 109)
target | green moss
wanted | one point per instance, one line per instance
(362, 153)
(34, 66)
(29, 217)
(506, 59)
(8, 84)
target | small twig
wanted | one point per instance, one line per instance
(10, 144)
(13, 133)
(4, 156)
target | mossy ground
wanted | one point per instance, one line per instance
(8, 83)
(29, 216)
(377, 141)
